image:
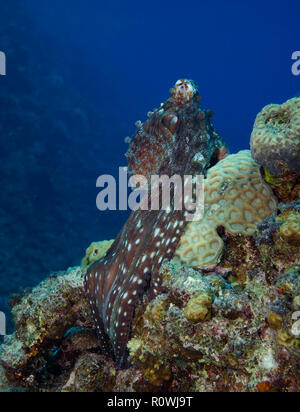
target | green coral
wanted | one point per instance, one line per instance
(286, 187)
(95, 252)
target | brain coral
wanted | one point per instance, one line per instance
(275, 140)
(237, 198)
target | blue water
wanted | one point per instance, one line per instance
(79, 75)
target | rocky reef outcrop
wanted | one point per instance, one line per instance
(275, 145)
(275, 142)
(230, 324)
(207, 335)
(204, 333)
(235, 328)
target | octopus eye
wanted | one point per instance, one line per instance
(179, 82)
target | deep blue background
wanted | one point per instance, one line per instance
(125, 54)
(80, 73)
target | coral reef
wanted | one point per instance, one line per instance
(290, 227)
(277, 239)
(233, 349)
(42, 318)
(95, 252)
(236, 198)
(275, 145)
(198, 308)
(286, 187)
(202, 333)
(222, 316)
(4, 384)
(275, 140)
(91, 373)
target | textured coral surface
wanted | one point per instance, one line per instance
(237, 198)
(234, 347)
(95, 252)
(277, 239)
(275, 140)
(204, 333)
(42, 318)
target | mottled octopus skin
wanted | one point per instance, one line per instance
(165, 144)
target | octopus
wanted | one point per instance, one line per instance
(177, 139)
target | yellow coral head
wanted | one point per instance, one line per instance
(184, 91)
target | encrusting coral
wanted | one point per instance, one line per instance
(286, 187)
(243, 340)
(198, 308)
(233, 349)
(95, 252)
(275, 140)
(290, 228)
(42, 318)
(277, 239)
(4, 384)
(236, 198)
